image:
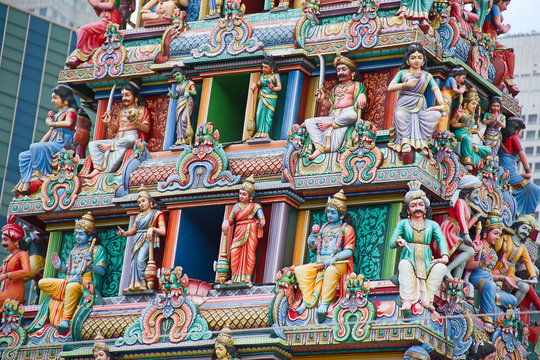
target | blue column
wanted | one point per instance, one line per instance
(170, 129)
(292, 101)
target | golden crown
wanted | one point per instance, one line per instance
(225, 337)
(248, 185)
(339, 201)
(86, 222)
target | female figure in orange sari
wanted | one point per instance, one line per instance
(248, 220)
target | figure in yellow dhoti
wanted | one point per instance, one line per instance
(86, 263)
(334, 244)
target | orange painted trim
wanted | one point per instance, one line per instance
(205, 100)
(164, 154)
(100, 128)
(300, 238)
(171, 239)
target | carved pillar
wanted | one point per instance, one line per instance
(205, 101)
(276, 241)
(126, 272)
(170, 129)
(300, 238)
(169, 250)
(292, 101)
(55, 243)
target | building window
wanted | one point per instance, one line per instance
(537, 181)
(532, 119)
(529, 150)
(538, 150)
(537, 166)
(530, 135)
(43, 11)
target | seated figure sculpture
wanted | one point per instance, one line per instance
(346, 100)
(160, 9)
(419, 275)
(87, 262)
(334, 243)
(133, 124)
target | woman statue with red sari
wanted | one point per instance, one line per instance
(247, 220)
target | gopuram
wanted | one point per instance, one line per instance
(304, 179)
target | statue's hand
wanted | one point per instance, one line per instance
(330, 261)
(56, 261)
(319, 95)
(186, 93)
(76, 279)
(3, 277)
(401, 242)
(225, 226)
(533, 281)
(150, 233)
(121, 232)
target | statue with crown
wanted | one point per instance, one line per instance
(86, 264)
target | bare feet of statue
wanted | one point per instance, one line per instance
(300, 310)
(406, 148)
(322, 312)
(315, 154)
(405, 306)
(63, 327)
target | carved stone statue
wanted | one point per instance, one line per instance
(494, 121)
(453, 87)
(243, 229)
(61, 131)
(133, 123)
(185, 91)
(334, 246)
(464, 213)
(269, 85)
(416, 10)
(346, 100)
(16, 265)
(224, 348)
(86, 262)
(414, 122)
(149, 226)
(419, 274)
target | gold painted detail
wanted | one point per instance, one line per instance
(109, 326)
(236, 318)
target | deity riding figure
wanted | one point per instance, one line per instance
(90, 36)
(133, 123)
(492, 300)
(161, 9)
(185, 91)
(224, 348)
(512, 248)
(334, 245)
(61, 131)
(494, 121)
(419, 274)
(464, 213)
(269, 85)
(526, 193)
(347, 99)
(16, 265)
(243, 229)
(453, 87)
(87, 262)
(414, 122)
(465, 125)
(149, 226)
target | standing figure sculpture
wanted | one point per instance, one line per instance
(414, 122)
(492, 300)
(453, 86)
(269, 85)
(465, 125)
(16, 265)
(224, 348)
(61, 131)
(149, 226)
(464, 213)
(494, 121)
(334, 245)
(86, 263)
(90, 37)
(526, 193)
(346, 100)
(419, 274)
(185, 91)
(133, 123)
(248, 220)
(416, 10)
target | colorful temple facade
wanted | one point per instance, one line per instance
(329, 179)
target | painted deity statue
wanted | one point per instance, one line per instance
(149, 226)
(269, 86)
(464, 213)
(334, 245)
(492, 300)
(414, 122)
(419, 274)
(224, 348)
(494, 121)
(16, 265)
(526, 193)
(161, 9)
(185, 91)
(87, 262)
(61, 131)
(133, 123)
(465, 125)
(101, 349)
(416, 10)
(346, 100)
(453, 87)
(512, 248)
(243, 229)
(90, 37)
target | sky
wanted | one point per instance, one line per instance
(522, 15)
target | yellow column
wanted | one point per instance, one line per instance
(251, 105)
(205, 100)
(300, 238)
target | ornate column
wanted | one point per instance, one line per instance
(276, 241)
(292, 101)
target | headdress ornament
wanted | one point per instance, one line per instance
(14, 231)
(65, 86)
(466, 182)
(493, 220)
(339, 201)
(526, 219)
(415, 192)
(418, 352)
(86, 222)
(249, 185)
(472, 94)
(143, 192)
(225, 337)
(99, 344)
(340, 59)
(133, 83)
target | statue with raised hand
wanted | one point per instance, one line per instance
(185, 91)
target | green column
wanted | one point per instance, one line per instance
(55, 242)
(390, 258)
